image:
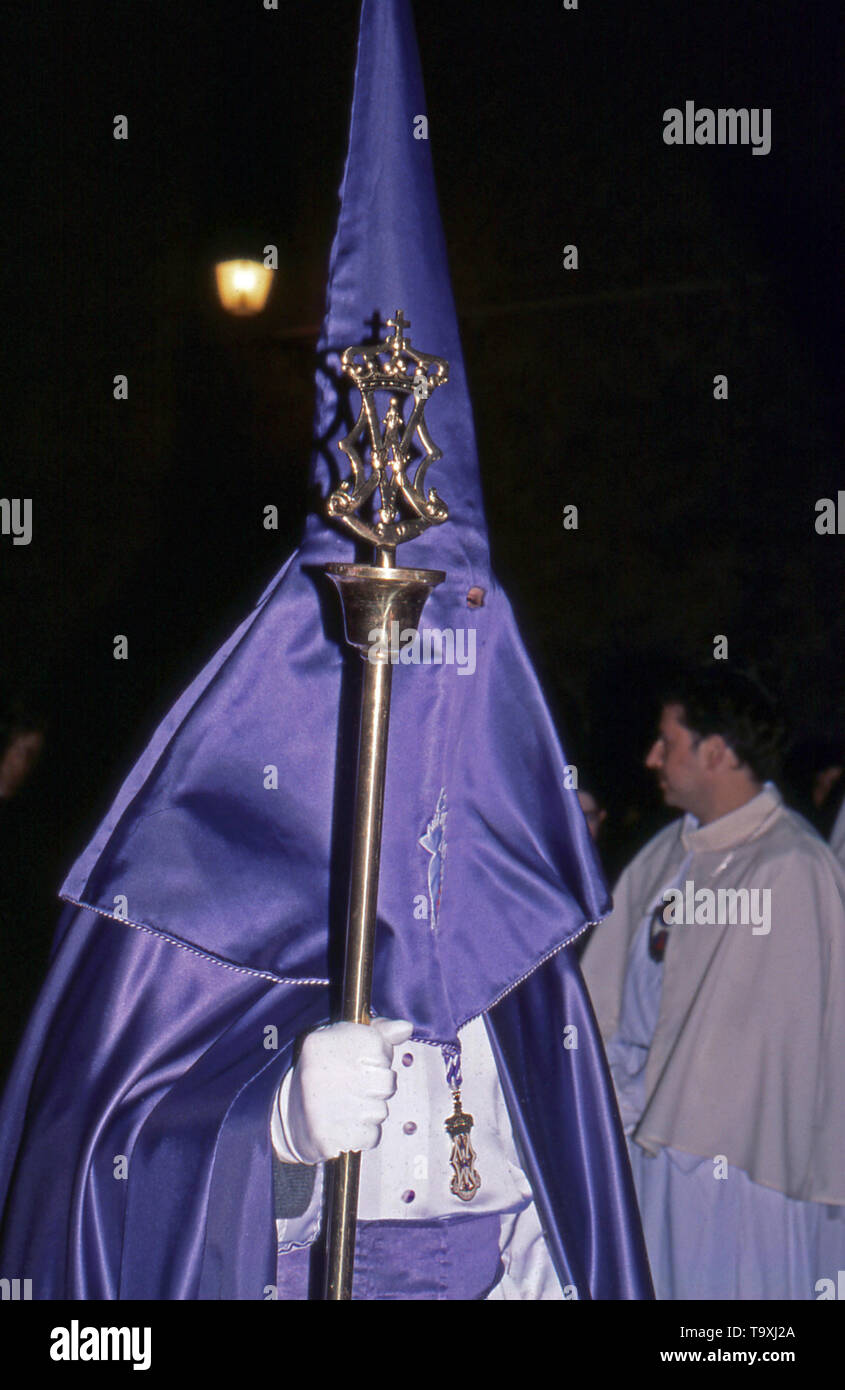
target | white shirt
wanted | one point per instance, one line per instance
(407, 1175)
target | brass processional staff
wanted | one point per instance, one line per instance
(373, 596)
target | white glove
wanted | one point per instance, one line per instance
(335, 1098)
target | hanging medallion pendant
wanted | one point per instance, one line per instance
(465, 1180)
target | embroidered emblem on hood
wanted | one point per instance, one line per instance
(434, 842)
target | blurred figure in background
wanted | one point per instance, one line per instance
(813, 779)
(21, 746)
(837, 834)
(595, 812)
(27, 895)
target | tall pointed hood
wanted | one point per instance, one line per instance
(230, 836)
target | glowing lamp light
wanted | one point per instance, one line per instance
(243, 286)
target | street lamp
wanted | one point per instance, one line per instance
(243, 286)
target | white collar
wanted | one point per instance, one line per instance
(745, 823)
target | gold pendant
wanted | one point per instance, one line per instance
(465, 1181)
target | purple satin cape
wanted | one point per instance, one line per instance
(211, 902)
(146, 1052)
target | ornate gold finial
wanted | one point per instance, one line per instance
(403, 373)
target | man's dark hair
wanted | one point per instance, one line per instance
(718, 700)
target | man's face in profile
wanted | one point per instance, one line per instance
(675, 756)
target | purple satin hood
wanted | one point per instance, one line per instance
(199, 843)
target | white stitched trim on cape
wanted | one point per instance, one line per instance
(195, 950)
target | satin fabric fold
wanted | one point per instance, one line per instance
(561, 1105)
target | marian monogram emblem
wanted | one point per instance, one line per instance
(400, 450)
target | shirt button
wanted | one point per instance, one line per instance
(407, 1059)
(409, 1127)
(408, 1196)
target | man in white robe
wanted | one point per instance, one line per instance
(719, 985)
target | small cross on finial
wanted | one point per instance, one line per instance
(398, 323)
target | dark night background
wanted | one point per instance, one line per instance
(592, 387)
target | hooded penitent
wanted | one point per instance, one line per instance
(208, 910)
